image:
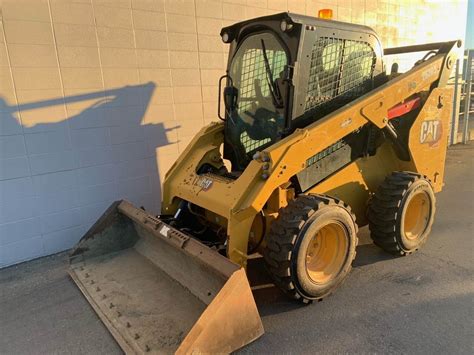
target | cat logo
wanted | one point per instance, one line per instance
(430, 132)
(203, 182)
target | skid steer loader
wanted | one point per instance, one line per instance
(314, 137)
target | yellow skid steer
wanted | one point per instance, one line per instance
(314, 136)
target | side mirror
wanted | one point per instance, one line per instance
(230, 96)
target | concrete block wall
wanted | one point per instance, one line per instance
(99, 97)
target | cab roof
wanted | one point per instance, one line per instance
(303, 20)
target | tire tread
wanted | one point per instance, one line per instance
(282, 238)
(385, 207)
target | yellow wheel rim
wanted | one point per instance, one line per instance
(326, 253)
(417, 215)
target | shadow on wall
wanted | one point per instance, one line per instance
(57, 177)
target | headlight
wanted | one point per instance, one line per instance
(225, 37)
(286, 26)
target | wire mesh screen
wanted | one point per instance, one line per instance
(339, 67)
(253, 69)
(252, 144)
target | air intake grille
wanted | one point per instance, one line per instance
(338, 68)
(331, 149)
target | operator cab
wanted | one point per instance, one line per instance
(285, 71)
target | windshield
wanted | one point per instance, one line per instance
(258, 118)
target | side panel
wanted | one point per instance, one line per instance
(428, 139)
(354, 183)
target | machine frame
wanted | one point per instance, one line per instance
(237, 202)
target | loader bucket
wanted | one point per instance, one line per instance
(159, 291)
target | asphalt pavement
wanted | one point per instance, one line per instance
(420, 304)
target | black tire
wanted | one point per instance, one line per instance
(287, 254)
(397, 224)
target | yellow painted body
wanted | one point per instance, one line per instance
(238, 201)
